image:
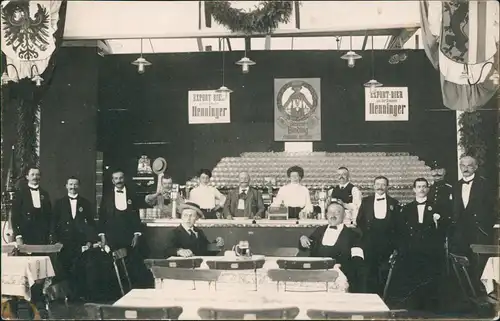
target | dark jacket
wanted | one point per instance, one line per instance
(35, 229)
(74, 231)
(120, 227)
(179, 238)
(254, 205)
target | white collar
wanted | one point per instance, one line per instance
(421, 200)
(470, 178)
(73, 196)
(343, 186)
(124, 189)
(244, 189)
(33, 186)
(188, 228)
(380, 196)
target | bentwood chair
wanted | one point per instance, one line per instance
(119, 256)
(226, 265)
(181, 274)
(315, 314)
(112, 312)
(285, 313)
(188, 263)
(279, 275)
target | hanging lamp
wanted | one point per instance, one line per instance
(351, 56)
(245, 62)
(373, 83)
(141, 63)
(223, 88)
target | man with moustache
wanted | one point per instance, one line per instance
(244, 201)
(473, 218)
(347, 193)
(187, 240)
(162, 199)
(73, 225)
(377, 221)
(420, 243)
(120, 223)
(341, 243)
(32, 211)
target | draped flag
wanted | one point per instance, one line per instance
(32, 33)
(461, 40)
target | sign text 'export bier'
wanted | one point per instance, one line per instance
(386, 104)
(208, 107)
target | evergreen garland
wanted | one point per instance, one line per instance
(260, 20)
(472, 136)
(26, 146)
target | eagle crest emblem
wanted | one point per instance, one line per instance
(26, 30)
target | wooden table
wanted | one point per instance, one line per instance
(245, 279)
(491, 273)
(191, 300)
(19, 273)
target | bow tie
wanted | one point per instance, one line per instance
(243, 191)
(381, 199)
(34, 188)
(118, 191)
(73, 198)
(466, 182)
(421, 203)
(333, 227)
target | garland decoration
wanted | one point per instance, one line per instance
(263, 19)
(472, 136)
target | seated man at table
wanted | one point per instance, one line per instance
(341, 243)
(186, 239)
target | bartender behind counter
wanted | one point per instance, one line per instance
(162, 199)
(208, 198)
(294, 195)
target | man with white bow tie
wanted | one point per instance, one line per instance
(420, 249)
(473, 218)
(32, 211)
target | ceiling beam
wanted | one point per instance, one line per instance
(267, 43)
(229, 44)
(380, 30)
(199, 41)
(398, 39)
(365, 41)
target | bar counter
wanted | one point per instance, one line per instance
(264, 236)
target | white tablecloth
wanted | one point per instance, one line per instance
(19, 273)
(491, 272)
(191, 301)
(245, 279)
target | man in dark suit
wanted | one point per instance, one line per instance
(420, 242)
(120, 223)
(32, 211)
(73, 225)
(341, 243)
(473, 218)
(187, 240)
(377, 221)
(244, 201)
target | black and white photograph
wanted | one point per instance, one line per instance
(225, 160)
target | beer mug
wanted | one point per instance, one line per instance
(242, 249)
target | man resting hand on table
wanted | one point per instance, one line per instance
(187, 240)
(341, 243)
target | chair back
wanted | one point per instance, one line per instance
(8, 248)
(315, 314)
(285, 313)
(460, 265)
(160, 272)
(282, 252)
(297, 264)
(190, 263)
(120, 254)
(278, 275)
(236, 264)
(112, 312)
(40, 249)
(485, 249)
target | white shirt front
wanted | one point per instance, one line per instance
(121, 199)
(332, 235)
(241, 202)
(72, 203)
(466, 190)
(294, 195)
(207, 197)
(421, 209)
(380, 206)
(35, 196)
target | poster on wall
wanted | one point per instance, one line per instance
(208, 107)
(387, 104)
(297, 109)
